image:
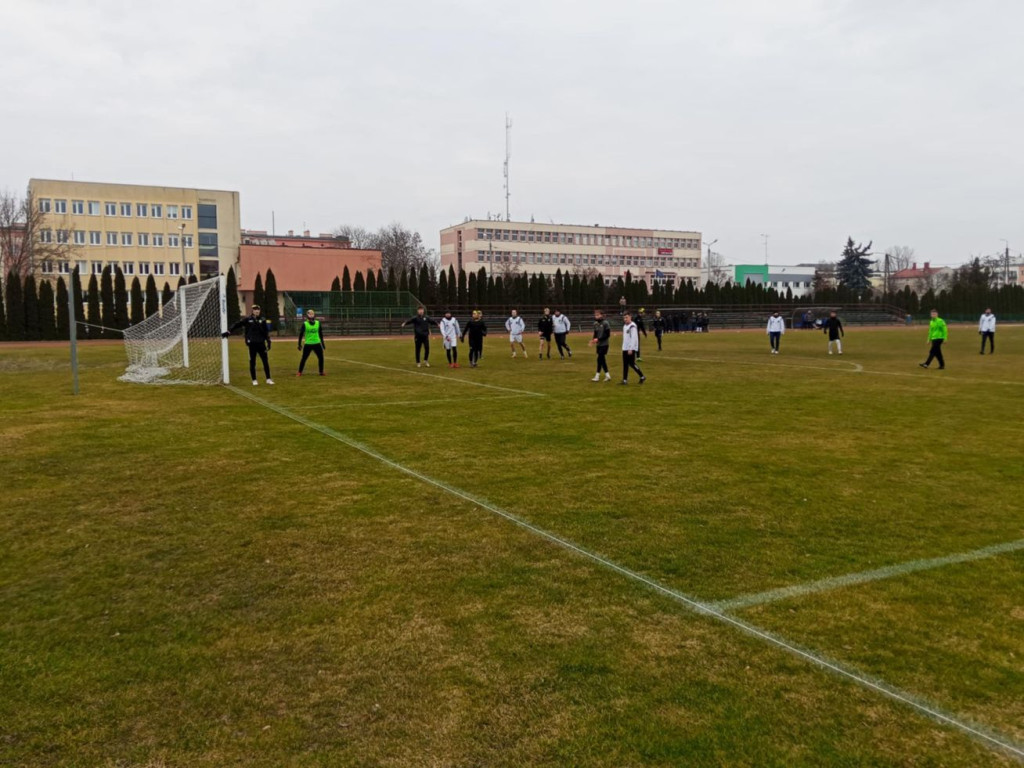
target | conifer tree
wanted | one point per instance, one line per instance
(346, 279)
(462, 293)
(3, 313)
(336, 284)
(371, 280)
(137, 309)
(358, 283)
(471, 291)
(403, 282)
(76, 298)
(167, 295)
(854, 269)
(426, 286)
(381, 284)
(46, 320)
(120, 300)
(61, 310)
(153, 297)
(106, 302)
(453, 287)
(257, 293)
(15, 308)
(230, 293)
(30, 307)
(93, 306)
(442, 288)
(271, 311)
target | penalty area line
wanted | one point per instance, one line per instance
(388, 404)
(438, 376)
(862, 577)
(981, 733)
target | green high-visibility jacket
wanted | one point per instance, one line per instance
(937, 329)
(312, 335)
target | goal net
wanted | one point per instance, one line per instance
(181, 343)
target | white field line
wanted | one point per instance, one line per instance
(388, 404)
(857, 368)
(850, 579)
(985, 735)
(419, 372)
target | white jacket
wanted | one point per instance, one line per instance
(515, 326)
(776, 324)
(987, 323)
(449, 331)
(562, 324)
(630, 338)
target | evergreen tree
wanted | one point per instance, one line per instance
(426, 286)
(93, 307)
(414, 287)
(442, 288)
(381, 284)
(47, 320)
(392, 283)
(153, 295)
(854, 269)
(471, 291)
(453, 287)
(136, 306)
(271, 311)
(15, 308)
(31, 309)
(359, 284)
(230, 293)
(192, 279)
(3, 313)
(106, 302)
(181, 282)
(336, 284)
(403, 282)
(167, 295)
(462, 294)
(371, 281)
(61, 310)
(346, 279)
(77, 299)
(257, 293)
(120, 300)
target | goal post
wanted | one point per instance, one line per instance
(182, 342)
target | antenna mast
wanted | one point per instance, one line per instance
(508, 154)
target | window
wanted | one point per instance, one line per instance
(207, 216)
(62, 235)
(156, 211)
(175, 268)
(190, 269)
(97, 267)
(111, 238)
(79, 237)
(143, 238)
(95, 238)
(64, 267)
(129, 267)
(46, 267)
(186, 212)
(172, 211)
(143, 267)
(141, 209)
(126, 238)
(94, 207)
(78, 206)
(208, 244)
(158, 267)
(158, 240)
(44, 205)
(60, 206)
(110, 209)
(46, 236)
(172, 241)
(126, 210)
(187, 240)
(80, 266)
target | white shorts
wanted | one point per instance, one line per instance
(450, 343)
(515, 338)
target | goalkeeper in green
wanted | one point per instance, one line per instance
(257, 339)
(311, 339)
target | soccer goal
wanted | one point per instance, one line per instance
(181, 343)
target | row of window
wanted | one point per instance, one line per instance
(144, 268)
(579, 259)
(95, 237)
(790, 284)
(585, 238)
(125, 210)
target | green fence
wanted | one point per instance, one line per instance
(350, 312)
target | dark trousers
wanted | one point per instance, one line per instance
(315, 349)
(255, 351)
(475, 352)
(657, 335)
(422, 342)
(773, 339)
(935, 353)
(560, 341)
(602, 359)
(629, 361)
(452, 354)
(991, 336)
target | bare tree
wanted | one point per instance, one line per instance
(717, 269)
(824, 276)
(358, 237)
(900, 257)
(30, 236)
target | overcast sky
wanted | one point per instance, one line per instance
(895, 121)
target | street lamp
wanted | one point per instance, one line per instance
(709, 260)
(181, 240)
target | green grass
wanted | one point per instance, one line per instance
(188, 578)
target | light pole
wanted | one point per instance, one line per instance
(1006, 263)
(182, 309)
(709, 260)
(181, 240)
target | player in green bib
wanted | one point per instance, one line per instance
(311, 339)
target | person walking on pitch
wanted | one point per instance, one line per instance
(257, 339)
(602, 338)
(515, 327)
(561, 325)
(421, 334)
(311, 339)
(776, 327)
(987, 329)
(641, 327)
(937, 333)
(630, 344)
(833, 328)
(545, 327)
(658, 325)
(476, 329)
(450, 337)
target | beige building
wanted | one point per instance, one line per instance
(652, 255)
(145, 230)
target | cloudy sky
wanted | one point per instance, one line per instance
(895, 121)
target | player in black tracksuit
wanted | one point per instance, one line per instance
(545, 327)
(421, 334)
(476, 329)
(658, 325)
(257, 339)
(833, 328)
(602, 338)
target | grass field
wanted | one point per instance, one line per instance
(781, 560)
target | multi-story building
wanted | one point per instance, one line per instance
(652, 255)
(799, 279)
(145, 230)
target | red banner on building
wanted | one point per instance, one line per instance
(665, 251)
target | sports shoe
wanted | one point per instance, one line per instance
(570, 352)
(923, 365)
(255, 383)
(322, 373)
(643, 379)
(830, 351)
(426, 364)
(270, 382)
(299, 373)
(597, 377)
(419, 365)
(513, 354)
(456, 365)
(623, 383)
(607, 377)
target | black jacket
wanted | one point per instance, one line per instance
(640, 324)
(257, 331)
(603, 333)
(833, 328)
(476, 329)
(546, 325)
(420, 325)
(658, 325)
